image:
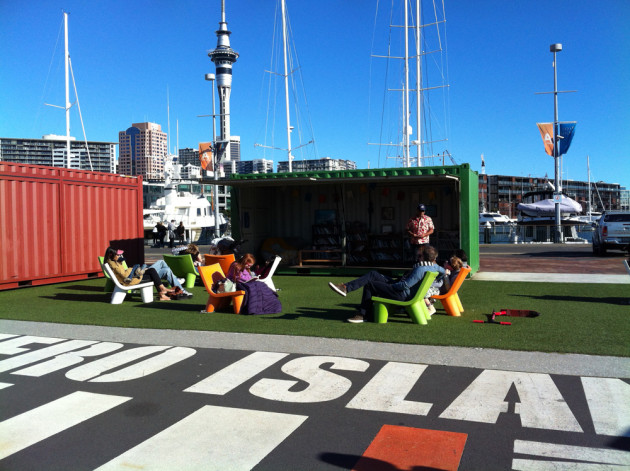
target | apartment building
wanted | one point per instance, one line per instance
(142, 151)
(51, 151)
(504, 192)
(324, 164)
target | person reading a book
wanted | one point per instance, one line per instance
(240, 270)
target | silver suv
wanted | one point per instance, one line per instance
(612, 231)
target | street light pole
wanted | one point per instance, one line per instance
(215, 162)
(555, 48)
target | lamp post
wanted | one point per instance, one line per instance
(215, 162)
(555, 48)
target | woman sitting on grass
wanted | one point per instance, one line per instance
(123, 275)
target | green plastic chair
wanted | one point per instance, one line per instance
(183, 267)
(109, 284)
(415, 307)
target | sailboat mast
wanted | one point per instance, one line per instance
(418, 86)
(68, 105)
(168, 121)
(588, 170)
(406, 98)
(286, 82)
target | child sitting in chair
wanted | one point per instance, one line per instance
(454, 265)
(240, 270)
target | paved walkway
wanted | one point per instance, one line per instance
(550, 263)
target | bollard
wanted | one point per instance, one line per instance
(487, 236)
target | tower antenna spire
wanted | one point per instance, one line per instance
(223, 57)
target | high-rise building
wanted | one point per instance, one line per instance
(325, 164)
(51, 151)
(188, 156)
(143, 150)
(223, 57)
(235, 148)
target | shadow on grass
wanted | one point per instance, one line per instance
(315, 313)
(338, 315)
(175, 306)
(129, 299)
(83, 298)
(584, 299)
(84, 288)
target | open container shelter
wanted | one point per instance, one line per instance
(354, 218)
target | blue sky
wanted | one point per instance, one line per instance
(126, 55)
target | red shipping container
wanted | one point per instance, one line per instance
(55, 222)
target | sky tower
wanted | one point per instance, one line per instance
(223, 57)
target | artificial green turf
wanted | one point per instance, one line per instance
(575, 318)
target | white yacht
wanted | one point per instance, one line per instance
(194, 211)
(494, 218)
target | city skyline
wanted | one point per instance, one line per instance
(126, 62)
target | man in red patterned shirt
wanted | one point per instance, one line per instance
(419, 229)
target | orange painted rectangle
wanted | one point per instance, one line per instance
(407, 448)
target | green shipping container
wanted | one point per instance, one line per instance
(354, 218)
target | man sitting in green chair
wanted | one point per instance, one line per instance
(377, 284)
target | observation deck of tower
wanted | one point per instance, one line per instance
(223, 57)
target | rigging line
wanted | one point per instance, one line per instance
(270, 89)
(267, 75)
(300, 77)
(447, 94)
(76, 95)
(370, 72)
(437, 28)
(389, 47)
(308, 110)
(44, 90)
(442, 67)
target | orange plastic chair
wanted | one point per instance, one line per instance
(209, 275)
(224, 260)
(450, 300)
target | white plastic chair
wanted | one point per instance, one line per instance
(120, 291)
(267, 279)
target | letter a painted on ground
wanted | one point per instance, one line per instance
(541, 405)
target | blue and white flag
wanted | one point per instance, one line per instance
(565, 132)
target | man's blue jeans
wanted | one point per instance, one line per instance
(165, 273)
(373, 284)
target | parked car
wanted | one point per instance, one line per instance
(612, 232)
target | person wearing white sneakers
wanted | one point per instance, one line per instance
(377, 284)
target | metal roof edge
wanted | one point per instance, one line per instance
(314, 175)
